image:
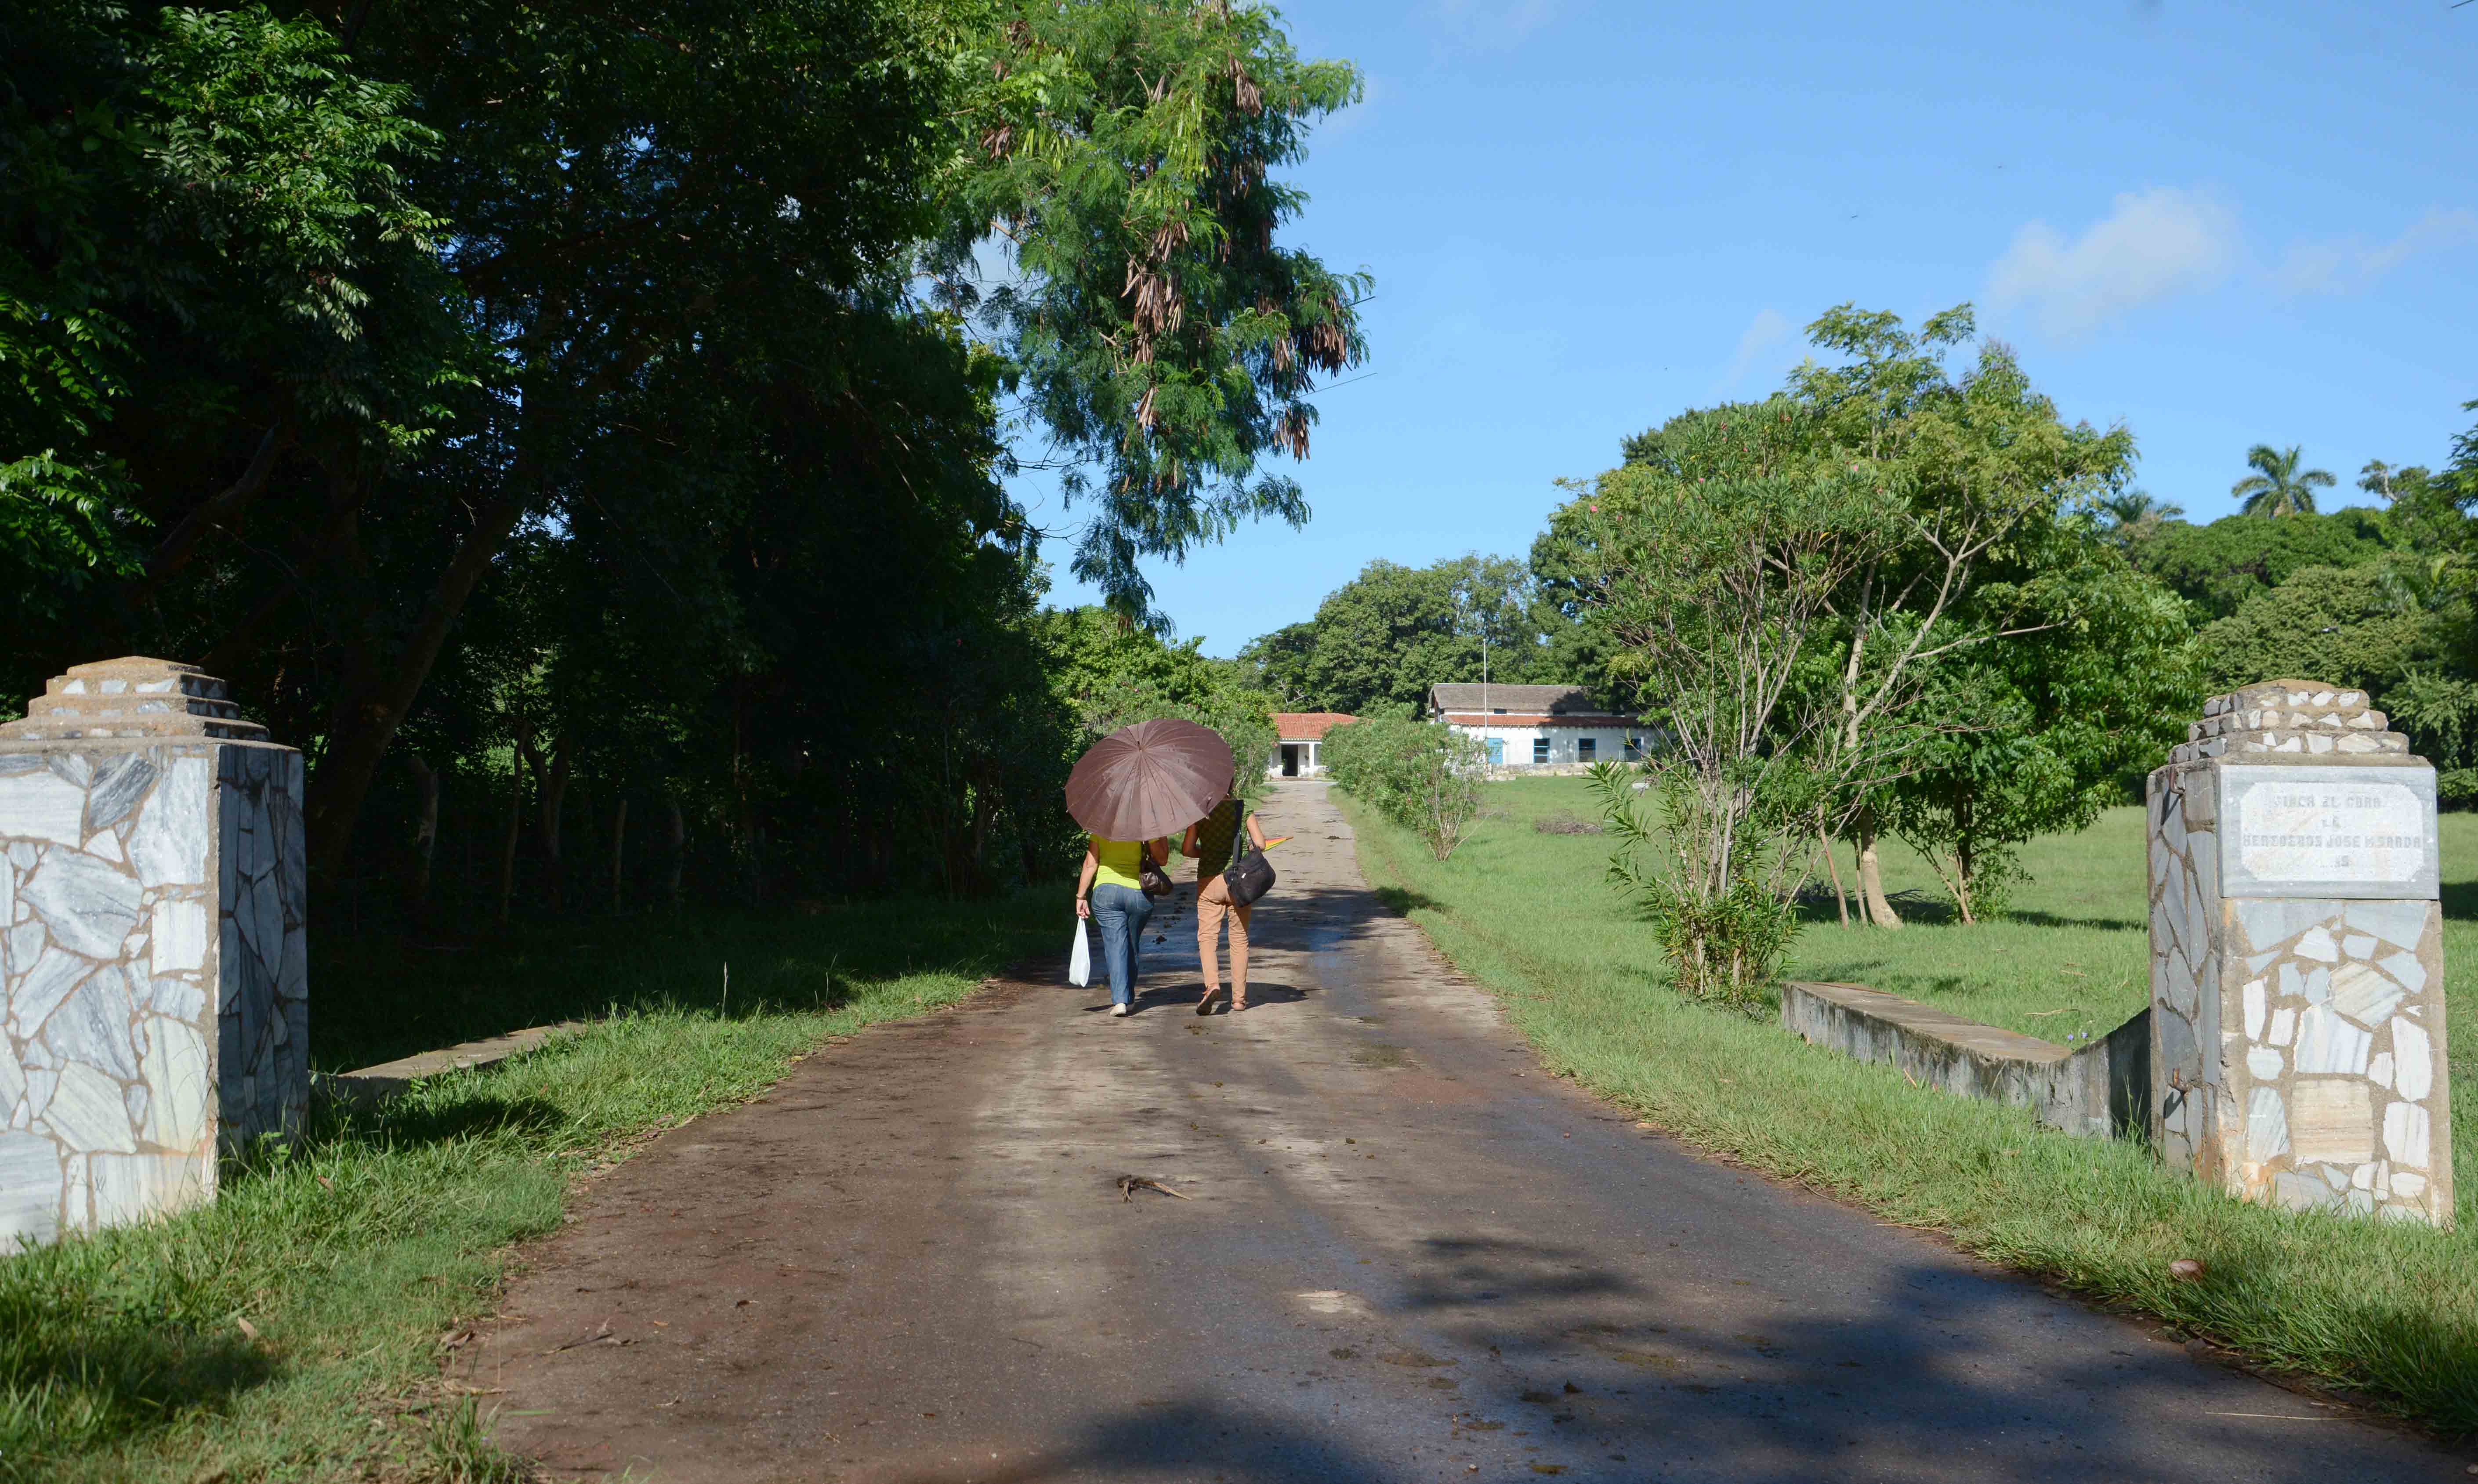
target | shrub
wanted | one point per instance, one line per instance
(1423, 775)
(1724, 931)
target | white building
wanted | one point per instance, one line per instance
(1537, 726)
(1302, 734)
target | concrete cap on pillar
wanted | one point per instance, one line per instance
(132, 698)
(2279, 719)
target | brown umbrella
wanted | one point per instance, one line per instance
(1149, 780)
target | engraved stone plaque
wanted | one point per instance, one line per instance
(2328, 832)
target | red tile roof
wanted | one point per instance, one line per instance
(1307, 725)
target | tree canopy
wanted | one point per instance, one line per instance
(523, 399)
(2218, 566)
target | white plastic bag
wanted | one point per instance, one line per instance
(1079, 959)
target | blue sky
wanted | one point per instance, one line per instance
(2215, 224)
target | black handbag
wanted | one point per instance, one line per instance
(1154, 881)
(1250, 875)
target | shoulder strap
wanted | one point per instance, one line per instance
(1238, 832)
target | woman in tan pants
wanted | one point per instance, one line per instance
(1209, 843)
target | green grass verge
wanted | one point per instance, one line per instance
(2387, 1309)
(123, 1356)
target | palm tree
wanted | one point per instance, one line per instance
(2278, 487)
(2134, 513)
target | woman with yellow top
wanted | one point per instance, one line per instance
(1109, 891)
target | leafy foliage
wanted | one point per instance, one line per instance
(200, 209)
(1394, 631)
(1126, 152)
(534, 411)
(1388, 635)
(2331, 623)
(1108, 672)
(2440, 713)
(2278, 485)
(1423, 775)
(1721, 549)
(2047, 730)
(2218, 567)
(1725, 941)
(1826, 596)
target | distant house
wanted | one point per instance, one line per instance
(1302, 735)
(1537, 726)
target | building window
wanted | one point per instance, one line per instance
(1635, 750)
(1497, 711)
(1540, 749)
(1585, 747)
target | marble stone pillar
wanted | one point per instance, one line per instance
(152, 976)
(2297, 958)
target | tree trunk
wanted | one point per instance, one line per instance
(618, 841)
(173, 552)
(554, 801)
(378, 691)
(1833, 863)
(1871, 881)
(425, 832)
(516, 822)
(1965, 863)
(680, 847)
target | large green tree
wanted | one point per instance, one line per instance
(2043, 730)
(506, 356)
(1974, 471)
(1122, 160)
(1827, 599)
(1392, 632)
(209, 262)
(2216, 567)
(2345, 625)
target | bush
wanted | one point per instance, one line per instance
(1725, 933)
(1423, 775)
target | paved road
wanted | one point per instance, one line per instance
(1408, 1256)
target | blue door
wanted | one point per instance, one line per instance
(1496, 753)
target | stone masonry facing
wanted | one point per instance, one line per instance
(152, 940)
(2297, 959)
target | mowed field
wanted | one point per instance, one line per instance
(2387, 1310)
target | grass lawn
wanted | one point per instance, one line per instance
(123, 1357)
(2391, 1310)
(2072, 957)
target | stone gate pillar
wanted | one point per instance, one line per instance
(152, 905)
(2297, 956)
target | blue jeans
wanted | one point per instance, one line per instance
(1120, 912)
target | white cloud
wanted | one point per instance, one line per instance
(2156, 244)
(2351, 265)
(1768, 331)
(1491, 24)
